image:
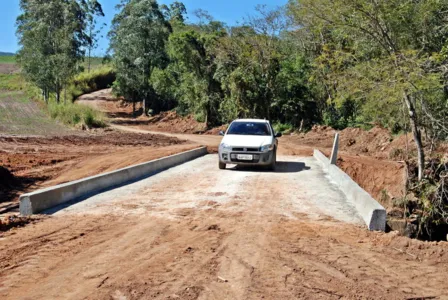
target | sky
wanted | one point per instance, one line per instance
(228, 11)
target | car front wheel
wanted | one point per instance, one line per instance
(274, 161)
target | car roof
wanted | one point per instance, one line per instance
(252, 120)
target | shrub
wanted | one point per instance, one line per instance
(11, 82)
(397, 154)
(283, 128)
(88, 82)
(76, 114)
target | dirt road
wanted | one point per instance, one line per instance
(194, 232)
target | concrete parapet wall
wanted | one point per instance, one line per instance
(322, 159)
(42, 200)
(373, 213)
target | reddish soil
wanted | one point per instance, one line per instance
(36, 162)
(377, 142)
(122, 114)
(112, 106)
(216, 254)
(8, 68)
(171, 122)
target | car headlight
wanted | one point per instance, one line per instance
(267, 148)
(224, 146)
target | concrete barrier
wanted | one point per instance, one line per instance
(319, 156)
(373, 214)
(41, 200)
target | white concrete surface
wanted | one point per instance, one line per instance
(299, 187)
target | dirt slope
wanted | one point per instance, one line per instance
(21, 115)
(121, 113)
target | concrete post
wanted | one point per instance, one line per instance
(334, 153)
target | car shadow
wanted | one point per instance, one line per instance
(281, 167)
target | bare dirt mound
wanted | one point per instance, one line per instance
(377, 142)
(121, 113)
(216, 130)
(106, 102)
(7, 182)
(7, 179)
(171, 122)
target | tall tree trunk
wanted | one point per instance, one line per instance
(417, 135)
(133, 108)
(89, 58)
(58, 95)
(45, 94)
(144, 106)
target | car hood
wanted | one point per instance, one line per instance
(246, 140)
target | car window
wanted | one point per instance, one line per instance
(249, 128)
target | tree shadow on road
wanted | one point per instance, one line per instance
(281, 167)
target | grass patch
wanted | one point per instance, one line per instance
(7, 59)
(95, 63)
(19, 114)
(12, 82)
(76, 114)
(88, 82)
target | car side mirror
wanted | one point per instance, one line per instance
(221, 133)
(279, 134)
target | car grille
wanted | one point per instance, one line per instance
(246, 149)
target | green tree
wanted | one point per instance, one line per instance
(52, 36)
(377, 52)
(138, 37)
(94, 10)
(175, 12)
(191, 52)
(249, 62)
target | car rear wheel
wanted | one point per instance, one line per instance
(222, 166)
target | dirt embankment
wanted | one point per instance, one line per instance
(121, 113)
(29, 163)
(377, 142)
(364, 155)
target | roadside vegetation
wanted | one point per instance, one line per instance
(76, 115)
(339, 63)
(7, 59)
(86, 82)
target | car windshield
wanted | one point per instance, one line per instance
(249, 128)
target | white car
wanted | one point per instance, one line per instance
(249, 142)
